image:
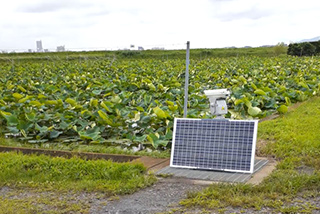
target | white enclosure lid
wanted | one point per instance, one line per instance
(217, 92)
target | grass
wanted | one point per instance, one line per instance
(295, 137)
(294, 140)
(43, 184)
(74, 174)
(56, 173)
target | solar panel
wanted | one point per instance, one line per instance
(214, 144)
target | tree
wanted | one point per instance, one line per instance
(308, 49)
(303, 49)
(280, 48)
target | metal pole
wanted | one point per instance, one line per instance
(186, 84)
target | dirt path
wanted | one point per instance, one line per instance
(161, 197)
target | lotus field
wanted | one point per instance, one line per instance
(98, 100)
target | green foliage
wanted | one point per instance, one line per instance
(97, 100)
(55, 173)
(282, 109)
(280, 48)
(254, 111)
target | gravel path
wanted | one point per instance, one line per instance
(161, 197)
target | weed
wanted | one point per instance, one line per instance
(164, 175)
(114, 198)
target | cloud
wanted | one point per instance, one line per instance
(112, 24)
(37, 6)
(234, 10)
(251, 14)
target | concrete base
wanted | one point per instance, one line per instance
(262, 168)
(264, 172)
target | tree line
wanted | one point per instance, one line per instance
(304, 49)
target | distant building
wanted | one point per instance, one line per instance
(157, 48)
(140, 48)
(39, 46)
(61, 48)
(30, 50)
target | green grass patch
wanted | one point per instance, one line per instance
(295, 137)
(294, 140)
(74, 174)
(44, 184)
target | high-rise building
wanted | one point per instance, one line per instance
(39, 46)
(61, 48)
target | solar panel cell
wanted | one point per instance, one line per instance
(213, 144)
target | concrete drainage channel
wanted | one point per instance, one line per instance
(68, 154)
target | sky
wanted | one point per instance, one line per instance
(169, 24)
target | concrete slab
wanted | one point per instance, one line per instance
(206, 176)
(263, 172)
